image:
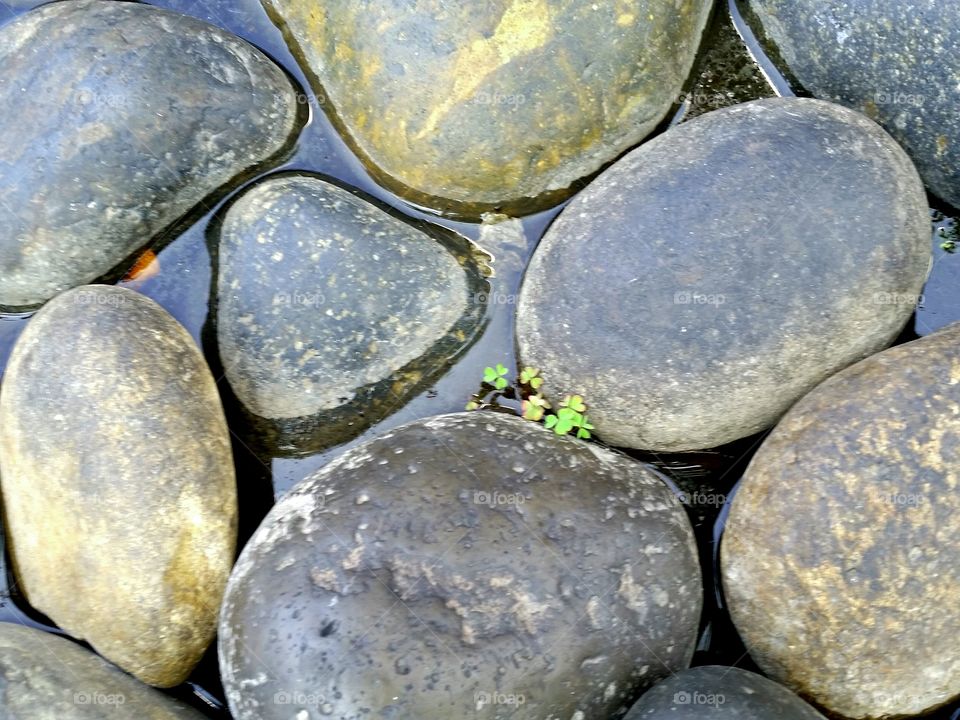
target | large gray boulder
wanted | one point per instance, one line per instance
(465, 566)
(47, 677)
(118, 119)
(895, 61)
(331, 311)
(720, 693)
(710, 278)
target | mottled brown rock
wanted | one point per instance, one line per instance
(466, 106)
(118, 119)
(117, 477)
(47, 677)
(462, 566)
(840, 556)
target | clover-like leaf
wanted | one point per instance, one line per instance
(539, 400)
(472, 405)
(495, 376)
(574, 402)
(550, 422)
(531, 411)
(528, 375)
(583, 434)
(536, 382)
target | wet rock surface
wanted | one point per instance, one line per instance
(687, 293)
(119, 118)
(45, 677)
(840, 553)
(725, 693)
(895, 61)
(323, 298)
(462, 566)
(466, 107)
(118, 481)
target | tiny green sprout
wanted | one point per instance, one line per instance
(585, 427)
(531, 376)
(950, 239)
(534, 407)
(569, 418)
(574, 402)
(495, 376)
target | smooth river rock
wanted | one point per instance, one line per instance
(895, 61)
(722, 693)
(47, 677)
(468, 106)
(709, 279)
(118, 119)
(841, 555)
(464, 566)
(330, 308)
(117, 477)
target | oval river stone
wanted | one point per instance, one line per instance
(329, 305)
(460, 567)
(841, 554)
(117, 478)
(47, 677)
(895, 61)
(466, 106)
(721, 693)
(709, 279)
(119, 118)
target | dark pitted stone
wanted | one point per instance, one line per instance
(841, 555)
(329, 308)
(895, 61)
(723, 693)
(468, 106)
(117, 476)
(709, 279)
(462, 566)
(118, 119)
(47, 677)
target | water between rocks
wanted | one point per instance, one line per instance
(731, 68)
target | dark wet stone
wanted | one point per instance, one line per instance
(460, 567)
(466, 106)
(709, 279)
(118, 483)
(724, 693)
(895, 61)
(46, 677)
(118, 119)
(840, 556)
(330, 308)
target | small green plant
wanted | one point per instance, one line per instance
(570, 417)
(950, 237)
(496, 376)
